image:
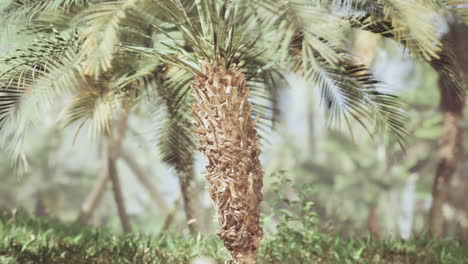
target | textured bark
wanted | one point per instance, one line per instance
(186, 177)
(451, 105)
(95, 197)
(229, 141)
(145, 181)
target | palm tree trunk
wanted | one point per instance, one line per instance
(186, 177)
(451, 105)
(229, 141)
(145, 181)
(94, 198)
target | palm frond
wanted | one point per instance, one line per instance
(264, 79)
(353, 5)
(41, 71)
(304, 26)
(177, 141)
(442, 62)
(24, 11)
(100, 35)
(9, 99)
(95, 104)
(459, 8)
(351, 92)
(408, 22)
(35, 76)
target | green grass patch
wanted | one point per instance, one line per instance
(25, 240)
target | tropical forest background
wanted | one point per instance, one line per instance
(332, 193)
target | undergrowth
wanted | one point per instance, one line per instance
(35, 241)
(24, 240)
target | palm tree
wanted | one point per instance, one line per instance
(96, 101)
(229, 56)
(452, 105)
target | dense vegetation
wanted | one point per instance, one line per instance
(26, 240)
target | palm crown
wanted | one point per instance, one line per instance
(129, 54)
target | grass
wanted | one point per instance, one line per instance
(24, 240)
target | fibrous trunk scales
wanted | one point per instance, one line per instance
(229, 141)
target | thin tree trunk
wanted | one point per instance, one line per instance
(449, 148)
(118, 195)
(95, 197)
(229, 141)
(373, 222)
(40, 209)
(171, 215)
(464, 226)
(364, 48)
(186, 178)
(114, 148)
(145, 181)
(451, 105)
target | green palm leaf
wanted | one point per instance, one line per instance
(100, 35)
(34, 77)
(351, 92)
(25, 11)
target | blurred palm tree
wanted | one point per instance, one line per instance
(222, 58)
(452, 105)
(94, 100)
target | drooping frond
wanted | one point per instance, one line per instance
(442, 61)
(41, 71)
(24, 11)
(33, 78)
(9, 99)
(166, 89)
(264, 79)
(95, 103)
(459, 8)
(311, 41)
(263, 39)
(350, 92)
(411, 23)
(306, 35)
(408, 22)
(353, 5)
(176, 137)
(305, 27)
(100, 35)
